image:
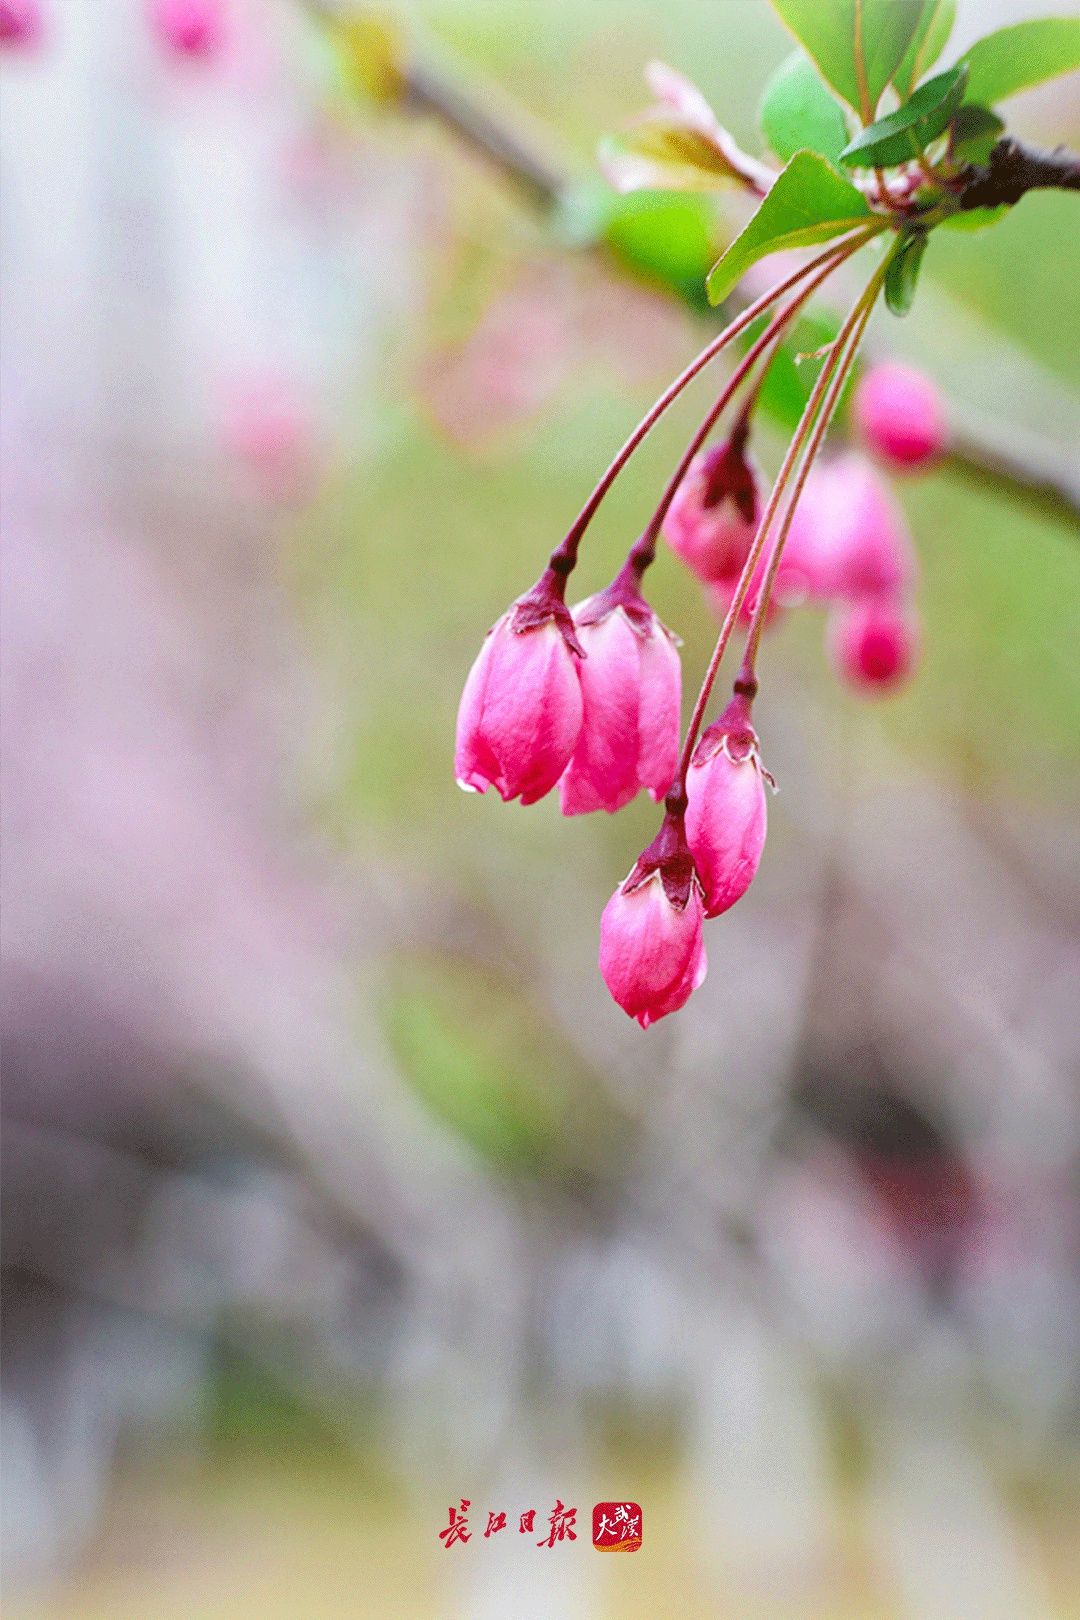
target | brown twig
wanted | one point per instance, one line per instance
(1013, 169)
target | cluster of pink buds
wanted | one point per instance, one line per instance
(21, 23)
(588, 699)
(847, 548)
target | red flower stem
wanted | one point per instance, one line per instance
(564, 557)
(847, 345)
(644, 551)
(677, 795)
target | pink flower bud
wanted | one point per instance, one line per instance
(899, 413)
(191, 27)
(631, 688)
(652, 954)
(874, 643)
(806, 565)
(726, 815)
(867, 550)
(713, 517)
(520, 714)
(20, 22)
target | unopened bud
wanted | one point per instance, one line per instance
(899, 413)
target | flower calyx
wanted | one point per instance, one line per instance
(668, 857)
(547, 600)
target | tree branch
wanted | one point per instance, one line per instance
(1015, 168)
(1036, 474)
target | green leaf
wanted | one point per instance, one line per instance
(931, 36)
(809, 202)
(902, 275)
(905, 133)
(974, 219)
(974, 133)
(798, 112)
(857, 44)
(664, 238)
(1028, 53)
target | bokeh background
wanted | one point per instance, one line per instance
(336, 1189)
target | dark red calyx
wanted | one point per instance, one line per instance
(546, 601)
(669, 854)
(730, 476)
(623, 592)
(732, 732)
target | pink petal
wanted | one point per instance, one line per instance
(649, 950)
(871, 550)
(603, 772)
(659, 712)
(696, 969)
(726, 822)
(520, 713)
(678, 92)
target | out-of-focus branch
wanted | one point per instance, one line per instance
(1018, 466)
(426, 91)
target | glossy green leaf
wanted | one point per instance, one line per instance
(902, 276)
(797, 111)
(1015, 58)
(974, 219)
(857, 44)
(975, 130)
(931, 37)
(809, 202)
(905, 133)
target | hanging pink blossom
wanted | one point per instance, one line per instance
(631, 688)
(726, 816)
(874, 642)
(652, 953)
(899, 413)
(714, 515)
(521, 710)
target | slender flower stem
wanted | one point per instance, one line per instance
(643, 552)
(564, 557)
(802, 432)
(847, 346)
